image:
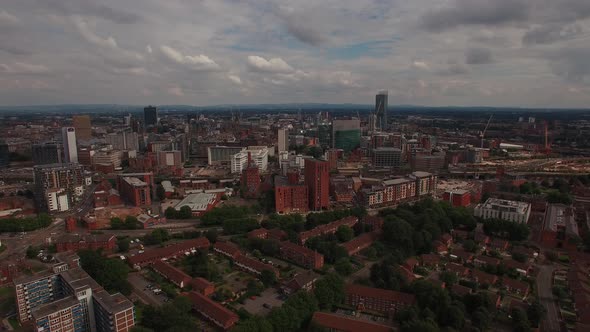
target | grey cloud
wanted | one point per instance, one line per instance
(90, 8)
(476, 12)
(478, 56)
(454, 69)
(305, 33)
(549, 33)
(572, 64)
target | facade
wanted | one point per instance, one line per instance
(254, 266)
(375, 299)
(173, 274)
(290, 196)
(68, 299)
(124, 140)
(390, 192)
(495, 208)
(360, 243)
(381, 110)
(47, 153)
(457, 197)
(257, 154)
(428, 162)
(346, 134)
(222, 155)
(425, 183)
(169, 159)
(107, 157)
(74, 242)
(283, 140)
(150, 116)
(135, 191)
(83, 126)
(58, 184)
(560, 227)
(387, 157)
(68, 136)
(301, 255)
(317, 180)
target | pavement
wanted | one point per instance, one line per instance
(545, 293)
(139, 284)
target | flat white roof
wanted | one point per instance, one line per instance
(197, 202)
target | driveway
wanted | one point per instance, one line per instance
(544, 288)
(139, 284)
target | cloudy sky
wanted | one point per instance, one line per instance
(204, 52)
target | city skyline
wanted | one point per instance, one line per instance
(464, 53)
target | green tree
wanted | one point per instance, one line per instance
(536, 313)
(111, 273)
(344, 233)
(116, 223)
(329, 291)
(520, 321)
(268, 277)
(211, 235)
(171, 213)
(185, 212)
(449, 278)
(481, 319)
(420, 326)
(343, 266)
(123, 245)
(469, 245)
(131, 222)
(32, 252)
(160, 192)
(157, 236)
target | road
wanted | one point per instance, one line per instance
(545, 293)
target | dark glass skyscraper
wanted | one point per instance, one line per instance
(150, 115)
(381, 110)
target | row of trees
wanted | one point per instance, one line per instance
(25, 224)
(185, 212)
(506, 229)
(130, 222)
(110, 273)
(225, 212)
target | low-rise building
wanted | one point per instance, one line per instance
(495, 208)
(516, 287)
(254, 266)
(329, 228)
(202, 286)
(360, 243)
(199, 203)
(213, 311)
(301, 281)
(227, 249)
(75, 242)
(341, 323)
(301, 255)
(174, 250)
(375, 299)
(173, 274)
(560, 227)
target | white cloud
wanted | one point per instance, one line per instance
(236, 79)
(274, 65)
(420, 65)
(149, 49)
(197, 62)
(176, 91)
(90, 36)
(24, 68)
(7, 19)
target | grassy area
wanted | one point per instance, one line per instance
(5, 292)
(14, 323)
(2, 248)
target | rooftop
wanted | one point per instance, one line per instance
(559, 216)
(112, 303)
(52, 307)
(504, 204)
(347, 323)
(197, 202)
(378, 293)
(134, 182)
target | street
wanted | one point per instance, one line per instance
(544, 288)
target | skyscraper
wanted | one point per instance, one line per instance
(83, 126)
(381, 109)
(346, 133)
(68, 135)
(317, 180)
(150, 115)
(283, 139)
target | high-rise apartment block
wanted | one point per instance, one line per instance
(250, 181)
(381, 110)
(317, 180)
(135, 191)
(150, 116)
(283, 140)
(83, 126)
(290, 195)
(68, 135)
(58, 184)
(387, 157)
(68, 299)
(123, 140)
(47, 153)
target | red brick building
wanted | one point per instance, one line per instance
(290, 196)
(360, 242)
(135, 191)
(250, 180)
(170, 251)
(375, 299)
(174, 275)
(213, 311)
(317, 180)
(330, 228)
(74, 242)
(71, 224)
(341, 323)
(301, 255)
(227, 249)
(457, 197)
(203, 286)
(254, 266)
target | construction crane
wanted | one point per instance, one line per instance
(483, 133)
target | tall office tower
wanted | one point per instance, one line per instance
(128, 118)
(68, 135)
(83, 126)
(381, 109)
(4, 155)
(317, 180)
(283, 139)
(150, 115)
(57, 186)
(325, 135)
(47, 153)
(123, 140)
(346, 134)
